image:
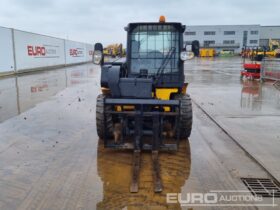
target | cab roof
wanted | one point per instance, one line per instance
(181, 28)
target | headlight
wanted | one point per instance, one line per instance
(186, 55)
(97, 57)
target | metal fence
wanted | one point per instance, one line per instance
(270, 69)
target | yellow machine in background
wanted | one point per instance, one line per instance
(114, 50)
(207, 52)
(261, 52)
(274, 46)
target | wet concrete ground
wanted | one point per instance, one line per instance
(248, 110)
(51, 157)
(23, 92)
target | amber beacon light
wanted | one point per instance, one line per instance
(162, 19)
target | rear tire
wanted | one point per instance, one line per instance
(100, 118)
(186, 116)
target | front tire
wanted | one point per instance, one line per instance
(100, 118)
(186, 115)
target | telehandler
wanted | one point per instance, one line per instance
(144, 104)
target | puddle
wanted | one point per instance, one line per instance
(20, 93)
(114, 169)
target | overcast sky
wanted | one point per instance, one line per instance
(103, 20)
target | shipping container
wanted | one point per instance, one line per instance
(207, 52)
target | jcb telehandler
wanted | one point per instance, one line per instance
(144, 104)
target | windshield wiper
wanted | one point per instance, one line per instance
(165, 61)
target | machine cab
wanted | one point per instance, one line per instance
(155, 58)
(153, 50)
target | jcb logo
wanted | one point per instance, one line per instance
(36, 50)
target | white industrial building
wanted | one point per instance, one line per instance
(267, 33)
(231, 37)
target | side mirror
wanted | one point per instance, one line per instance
(186, 55)
(98, 54)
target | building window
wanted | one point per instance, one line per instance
(253, 41)
(254, 32)
(245, 38)
(228, 42)
(207, 43)
(210, 33)
(229, 32)
(190, 33)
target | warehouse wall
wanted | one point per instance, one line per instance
(219, 37)
(270, 32)
(6, 50)
(23, 51)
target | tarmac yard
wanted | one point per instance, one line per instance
(52, 159)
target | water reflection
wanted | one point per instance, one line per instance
(18, 94)
(251, 95)
(256, 96)
(213, 71)
(114, 169)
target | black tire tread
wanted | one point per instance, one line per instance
(100, 118)
(186, 115)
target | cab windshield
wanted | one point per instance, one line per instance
(153, 46)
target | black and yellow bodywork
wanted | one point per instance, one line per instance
(144, 104)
